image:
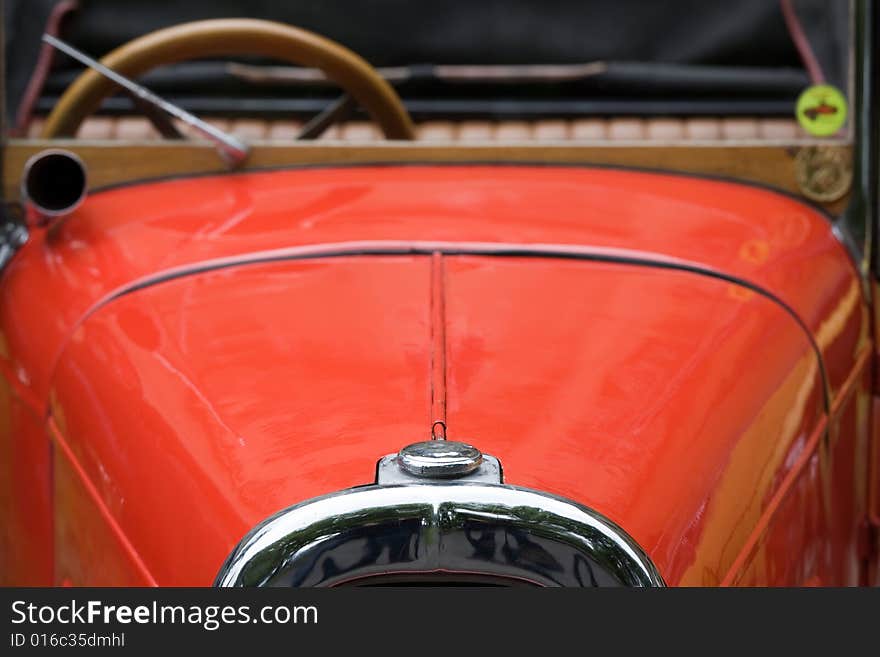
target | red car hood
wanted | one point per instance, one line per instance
(203, 404)
(121, 236)
(200, 392)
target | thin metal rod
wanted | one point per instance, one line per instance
(801, 42)
(507, 74)
(231, 149)
(438, 347)
(40, 71)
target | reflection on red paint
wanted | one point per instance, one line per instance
(680, 405)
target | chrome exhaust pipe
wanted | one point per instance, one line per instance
(53, 183)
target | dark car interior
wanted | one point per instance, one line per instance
(499, 70)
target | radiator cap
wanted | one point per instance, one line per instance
(439, 459)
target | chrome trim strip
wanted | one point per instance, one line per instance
(493, 530)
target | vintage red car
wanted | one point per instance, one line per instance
(562, 324)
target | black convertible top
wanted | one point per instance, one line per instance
(710, 52)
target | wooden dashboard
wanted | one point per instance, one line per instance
(772, 155)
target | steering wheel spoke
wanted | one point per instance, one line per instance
(339, 110)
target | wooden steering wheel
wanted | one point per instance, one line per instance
(226, 37)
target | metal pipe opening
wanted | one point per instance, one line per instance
(54, 182)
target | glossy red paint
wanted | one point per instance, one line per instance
(84, 526)
(617, 393)
(822, 505)
(250, 403)
(687, 408)
(120, 235)
(246, 388)
(25, 494)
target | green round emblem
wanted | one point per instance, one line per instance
(821, 110)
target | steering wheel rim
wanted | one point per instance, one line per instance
(227, 37)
